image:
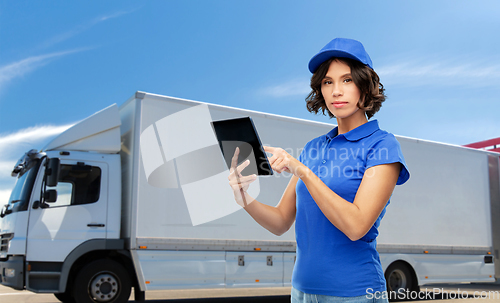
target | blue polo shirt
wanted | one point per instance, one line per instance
(328, 262)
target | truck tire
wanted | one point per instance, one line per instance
(103, 281)
(65, 297)
(400, 281)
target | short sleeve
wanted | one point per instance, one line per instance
(302, 157)
(388, 150)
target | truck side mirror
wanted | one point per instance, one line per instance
(50, 196)
(52, 172)
(3, 212)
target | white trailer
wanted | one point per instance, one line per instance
(442, 226)
(143, 201)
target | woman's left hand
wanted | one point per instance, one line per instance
(282, 161)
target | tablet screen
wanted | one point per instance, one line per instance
(241, 133)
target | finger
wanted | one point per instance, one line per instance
(274, 157)
(269, 149)
(281, 166)
(244, 187)
(276, 165)
(242, 166)
(247, 179)
(239, 182)
(241, 178)
(234, 160)
(272, 160)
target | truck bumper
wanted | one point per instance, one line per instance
(12, 272)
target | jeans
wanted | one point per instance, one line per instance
(300, 297)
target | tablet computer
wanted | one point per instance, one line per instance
(241, 133)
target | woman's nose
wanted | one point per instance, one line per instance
(336, 91)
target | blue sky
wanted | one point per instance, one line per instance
(61, 61)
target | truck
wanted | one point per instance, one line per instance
(137, 196)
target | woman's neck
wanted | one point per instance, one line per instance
(349, 123)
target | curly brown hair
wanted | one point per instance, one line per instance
(365, 78)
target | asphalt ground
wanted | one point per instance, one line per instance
(484, 293)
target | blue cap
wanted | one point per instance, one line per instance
(343, 48)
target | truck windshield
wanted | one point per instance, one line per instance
(20, 196)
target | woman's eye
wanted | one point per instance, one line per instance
(327, 82)
(348, 80)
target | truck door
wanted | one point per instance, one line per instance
(79, 214)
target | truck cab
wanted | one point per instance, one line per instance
(65, 205)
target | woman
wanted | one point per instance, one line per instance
(341, 183)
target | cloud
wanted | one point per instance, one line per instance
(454, 71)
(81, 28)
(477, 130)
(30, 135)
(4, 196)
(297, 87)
(22, 67)
(454, 132)
(6, 166)
(14, 145)
(443, 72)
(113, 15)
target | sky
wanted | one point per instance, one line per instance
(61, 61)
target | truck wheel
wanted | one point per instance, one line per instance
(65, 297)
(399, 280)
(102, 281)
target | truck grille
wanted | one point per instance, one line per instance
(4, 241)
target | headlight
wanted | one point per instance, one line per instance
(10, 272)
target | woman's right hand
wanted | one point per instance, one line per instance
(238, 182)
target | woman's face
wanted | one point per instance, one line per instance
(339, 91)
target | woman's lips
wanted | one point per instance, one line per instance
(339, 104)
